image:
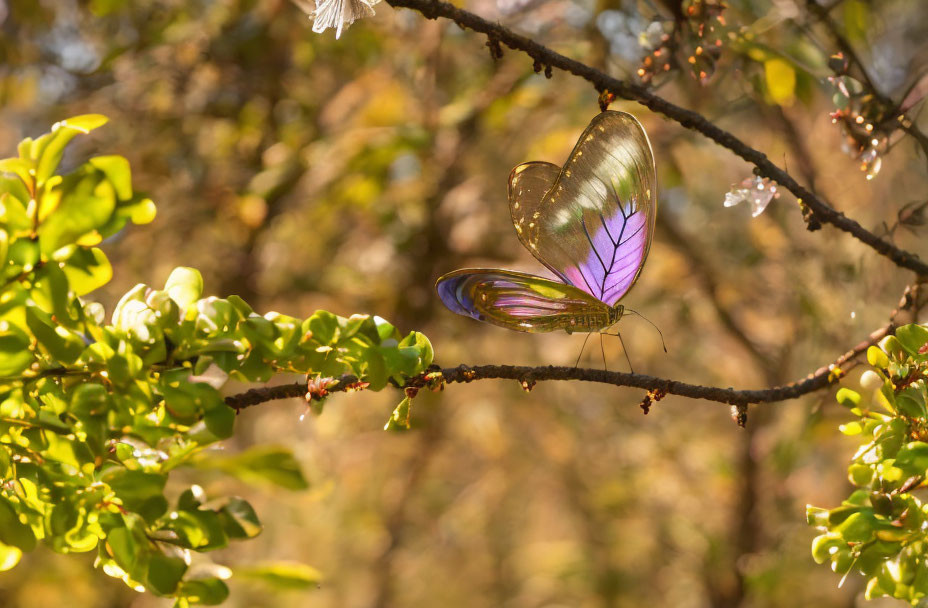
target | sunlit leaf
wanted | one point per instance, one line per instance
(185, 285)
(281, 575)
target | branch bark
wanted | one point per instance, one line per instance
(529, 376)
(821, 212)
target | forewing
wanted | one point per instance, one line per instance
(591, 223)
(516, 300)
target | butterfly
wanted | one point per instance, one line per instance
(589, 222)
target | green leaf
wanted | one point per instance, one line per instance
(914, 455)
(323, 327)
(4, 248)
(127, 543)
(877, 358)
(51, 292)
(191, 499)
(187, 401)
(283, 576)
(912, 337)
(85, 123)
(20, 168)
(139, 491)
(860, 474)
(399, 420)
(270, 464)
(15, 352)
(165, 573)
(193, 530)
(87, 203)
(24, 254)
(87, 269)
(847, 397)
(417, 346)
(9, 557)
(239, 519)
(823, 546)
(220, 420)
(13, 212)
(53, 144)
(858, 527)
(910, 406)
(62, 344)
(141, 210)
(851, 428)
(208, 591)
(89, 400)
(185, 285)
(13, 531)
(116, 169)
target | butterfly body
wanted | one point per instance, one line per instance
(589, 222)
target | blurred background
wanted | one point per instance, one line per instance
(301, 172)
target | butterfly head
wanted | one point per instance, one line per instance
(615, 313)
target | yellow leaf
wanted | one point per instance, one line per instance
(781, 81)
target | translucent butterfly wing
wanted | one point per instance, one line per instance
(591, 222)
(520, 301)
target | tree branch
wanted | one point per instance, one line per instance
(821, 211)
(529, 376)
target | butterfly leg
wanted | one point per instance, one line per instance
(603, 351)
(581, 351)
(625, 350)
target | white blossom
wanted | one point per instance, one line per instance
(755, 190)
(336, 13)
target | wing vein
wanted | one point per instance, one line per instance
(615, 249)
(593, 245)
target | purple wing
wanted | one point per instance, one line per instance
(591, 222)
(618, 246)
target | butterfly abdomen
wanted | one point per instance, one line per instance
(522, 302)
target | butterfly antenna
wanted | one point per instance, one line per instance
(660, 333)
(581, 351)
(625, 350)
(603, 350)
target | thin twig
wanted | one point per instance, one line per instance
(820, 210)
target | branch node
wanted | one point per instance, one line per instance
(606, 97)
(537, 65)
(496, 50)
(527, 383)
(808, 216)
(318, 388)
(650, 398)
(548, 71)
(739, 414)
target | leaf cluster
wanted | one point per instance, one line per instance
(96, 413)
(881, 530)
